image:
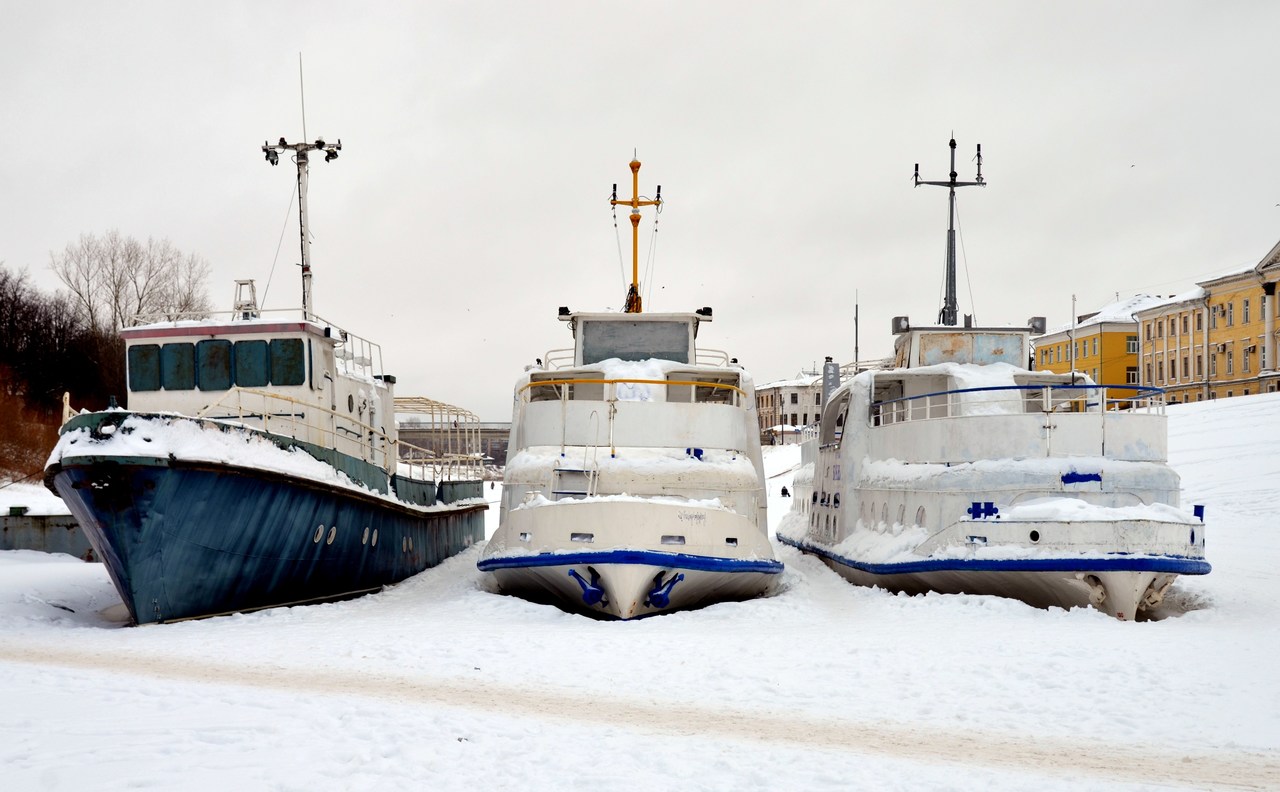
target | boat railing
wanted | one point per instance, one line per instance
(558, 358)
(1019, 399)
(684, 389)
(711, 357)
(449, 437)
(564, 358)
(285, 416)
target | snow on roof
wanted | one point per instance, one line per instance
(1126, 310)
(803, 381)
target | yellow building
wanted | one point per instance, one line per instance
(1217, 342)
(1172, 340)
(1102, 345)
(1242, 329)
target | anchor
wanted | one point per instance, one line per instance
(592, 593)
(660, 597)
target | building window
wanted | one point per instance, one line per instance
(1199, 321)
(1213, 317)
(1173, 369)
(1213, 365)
(817, 398)
(793, 419)
(1186, 323)
(1199, 365)
(1131, 375)
(1159, 328)
(1231, 365)
(1186, 366)
(1159, 371)
(1244, 312)
(1244, 361)
(795, 398)
(1095, 346)
(1131, 344)
(1148, 372)
(1057, 354)
(1231, 314)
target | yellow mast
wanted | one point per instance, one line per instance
(633, 294)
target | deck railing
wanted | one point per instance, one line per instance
(564, 358)
(569, 389)
(1019, 399)
(286, 416)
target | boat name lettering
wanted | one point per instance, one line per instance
(692, 517)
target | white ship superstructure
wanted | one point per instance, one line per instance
(634, 483)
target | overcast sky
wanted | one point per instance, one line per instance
(1129, 147)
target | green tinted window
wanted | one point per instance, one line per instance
(178, 366)
(252, 370)
(213, 362)
(288, 364)
(144, 367)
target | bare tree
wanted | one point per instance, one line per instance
(114, 278)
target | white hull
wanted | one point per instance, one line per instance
(995, 480)
(626, 558)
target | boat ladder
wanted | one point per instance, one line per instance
(574, 483)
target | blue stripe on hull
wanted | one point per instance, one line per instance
(189, 540)
(1179, 565)
(646, 557)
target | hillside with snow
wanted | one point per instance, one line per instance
(438, 683)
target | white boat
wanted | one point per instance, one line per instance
(634, 483)
(962, 471)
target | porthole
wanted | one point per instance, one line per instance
(373, 540)
(333, 534)
(404, 544)
(902, 512)
(884, 514)
(411, 544)
(319, 533)
(351, 403)
(1035, 536)
(920, 516)
(364, 538)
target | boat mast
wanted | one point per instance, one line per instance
(633, 293)
(949, 306)
(301, 151)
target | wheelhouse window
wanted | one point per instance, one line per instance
(288, 361)
(213, 364)
(252, 364)
(633, 340)
(178, 366)
(144, 367)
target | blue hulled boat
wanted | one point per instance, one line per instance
(259, 464)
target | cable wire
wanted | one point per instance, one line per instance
(287, 214)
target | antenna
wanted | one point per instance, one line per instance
(633, 302)
(303, 92)
(949, 307)
(301, 150)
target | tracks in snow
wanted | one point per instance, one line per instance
(1073, 758)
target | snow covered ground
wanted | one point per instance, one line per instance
(437, 683)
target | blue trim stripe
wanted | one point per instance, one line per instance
(648, 557)
(1180, 565)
